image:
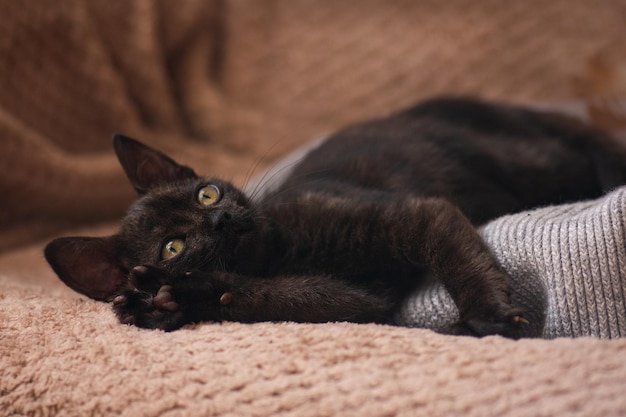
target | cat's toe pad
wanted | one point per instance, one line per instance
(163, 299)
(132, 304)
(226, 298)
(148, 278)
(125, 316)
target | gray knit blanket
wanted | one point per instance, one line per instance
(566, 264)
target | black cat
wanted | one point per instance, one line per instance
(352, 230)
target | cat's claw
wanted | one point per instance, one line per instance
(226, 298)
(148, 278)
(505, 321)
(120, 299)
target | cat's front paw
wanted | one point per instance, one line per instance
(143, 309)
(498, 319)
(163, 301)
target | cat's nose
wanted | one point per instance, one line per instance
(223, 219)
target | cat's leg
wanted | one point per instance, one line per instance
(386, 234)
(449, 245)
(310, 299)
(217, 296)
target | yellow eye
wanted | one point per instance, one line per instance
(208, 195)
(172, 248)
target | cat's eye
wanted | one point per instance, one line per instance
(172, 248)
(208, 195)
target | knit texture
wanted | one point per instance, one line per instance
(566, 266)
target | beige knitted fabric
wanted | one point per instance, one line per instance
(566, 265)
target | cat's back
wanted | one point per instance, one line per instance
(488, 159)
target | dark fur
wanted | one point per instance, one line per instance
(353, 229)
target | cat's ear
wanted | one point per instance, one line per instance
(88, 265)
(146, 167)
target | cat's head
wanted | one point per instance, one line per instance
(179, 221)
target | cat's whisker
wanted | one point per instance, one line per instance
(272, 172)
(264, 202)
(258, 162)
(267, 178)
(251, 172)
(221, 263)
(288, 229)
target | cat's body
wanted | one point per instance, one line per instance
(352, 230)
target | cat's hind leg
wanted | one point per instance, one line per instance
(450, 246)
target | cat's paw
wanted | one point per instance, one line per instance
(498, 319)
(149, 311)
(162, 301)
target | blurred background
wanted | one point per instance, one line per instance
(226, 84)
